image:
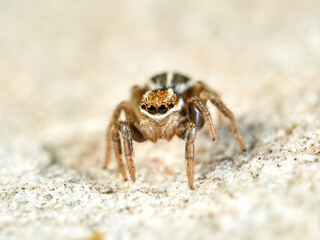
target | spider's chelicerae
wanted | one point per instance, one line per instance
(169, 104)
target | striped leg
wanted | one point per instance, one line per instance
(117, 148)
(111, 130)
(187, 131)
(128, 149)
(189, 154)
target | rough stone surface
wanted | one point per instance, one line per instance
(64, 65)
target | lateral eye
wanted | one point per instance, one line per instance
(143, 106)
(152, 109)
(162, 109)
(171, 105)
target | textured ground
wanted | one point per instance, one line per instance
(64, 65)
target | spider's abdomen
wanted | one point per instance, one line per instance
(176, 81)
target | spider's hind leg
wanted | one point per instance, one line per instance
(215, 99)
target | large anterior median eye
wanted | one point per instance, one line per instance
(162, 109)
(152, 109)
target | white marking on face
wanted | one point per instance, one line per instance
(170, 92)
(162, 116)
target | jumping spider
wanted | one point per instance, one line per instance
(170, 104)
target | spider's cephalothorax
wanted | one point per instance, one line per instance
(169, 104)
(160, 114)
(160, 103)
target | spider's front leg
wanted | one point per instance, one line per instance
(125, 130)
(190, 137)
(204, 112)
(121, 130)
(187, 131)
(115, 137)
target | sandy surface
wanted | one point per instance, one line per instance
(64, 65)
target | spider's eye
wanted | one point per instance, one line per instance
(162, 109)
(171, 105)
(152, 109)
(143, 106)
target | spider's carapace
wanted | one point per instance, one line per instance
(169, 104)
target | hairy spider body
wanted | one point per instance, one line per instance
(169, 104)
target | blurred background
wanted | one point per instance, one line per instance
(65, 65)
(70, 61)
